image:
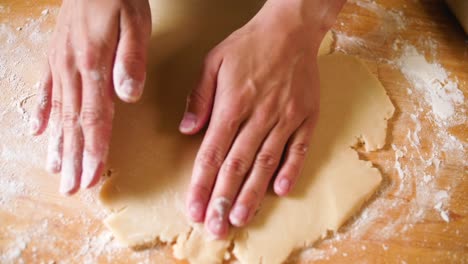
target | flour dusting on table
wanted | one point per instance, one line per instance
(435, 104)
(418, 174)
(21, 154)
(439, 91)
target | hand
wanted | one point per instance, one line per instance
(93, 41)
(260, 93)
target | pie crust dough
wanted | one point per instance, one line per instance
(151, 161)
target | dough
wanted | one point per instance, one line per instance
(151, 161)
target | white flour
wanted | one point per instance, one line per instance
(435, 104)
(418, 173)
(391, 20)
(431, 79)
(40, 235)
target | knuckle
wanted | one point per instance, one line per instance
(91, 117)
(200, 190)
(235, 166)
(197, 97)
(210, 158)
(56, 106)
(93, 150)
(234, 108)
(133, 58)
(231, 120)
(65, 62)
(291, 170)
(294, 112)
(246, 93)
(299, 149)
(198, 186)
(265, 117)
(70, 119)
(233, 123)
(88, 59)
(266, 161)
(253, 194)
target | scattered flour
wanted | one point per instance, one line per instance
(313, 254)
(33, 236)
(10, 189)
(344, 43)
(418, 172)
(394, 19)
(427, 149)
(12, 253)
(431, 79)
(14, 60)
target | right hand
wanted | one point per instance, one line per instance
(97, 47)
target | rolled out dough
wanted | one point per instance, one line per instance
(151, 161)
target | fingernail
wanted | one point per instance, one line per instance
(126, 87)
(68, 179)
(130, 90)
(216, 227)
(33, 126)
(54, 160)
(239, 215)
(284, 185)
(91, 166)
(196, 211)
(53, 165)
(188, 123)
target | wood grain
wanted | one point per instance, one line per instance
(69, 229)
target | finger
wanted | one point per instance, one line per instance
(96, 121)
(129, 72)
(40, 117)
(265, 164)
(295, 155)
(200, 100)
(73, 138)
(232, 173)
(209, 159)
(55, 143)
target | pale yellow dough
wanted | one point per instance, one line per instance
(152, 162)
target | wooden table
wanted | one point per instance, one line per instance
(400, 224)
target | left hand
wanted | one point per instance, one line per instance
(93, 41)
(260, 93)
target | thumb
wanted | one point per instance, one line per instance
(129, 72)
(200, 100)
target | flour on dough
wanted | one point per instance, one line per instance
(152, 161)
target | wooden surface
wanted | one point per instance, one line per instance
(38, 225)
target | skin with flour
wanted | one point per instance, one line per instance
(260, 114)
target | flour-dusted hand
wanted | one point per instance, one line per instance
(97, 47)
(260, 95)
